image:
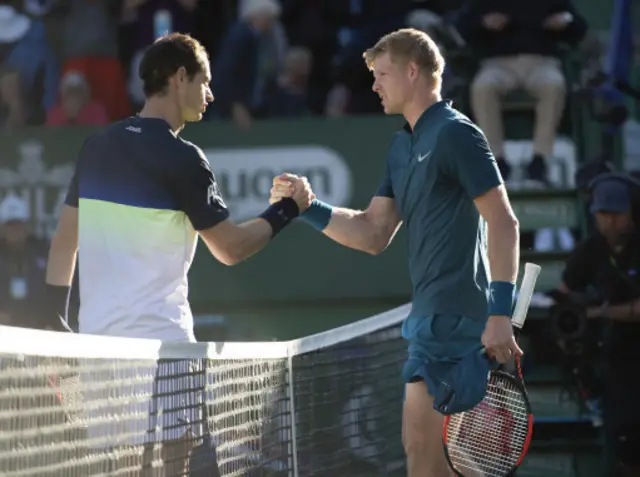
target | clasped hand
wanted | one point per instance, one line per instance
(290, 185)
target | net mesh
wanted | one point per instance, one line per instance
(80, 405)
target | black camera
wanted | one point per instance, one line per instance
(568, 321)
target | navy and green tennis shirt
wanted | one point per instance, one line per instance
(434, 173)
(142, 194)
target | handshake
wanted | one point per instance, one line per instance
(291, 186)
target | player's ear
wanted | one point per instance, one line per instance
(413, 70)
(181, 74)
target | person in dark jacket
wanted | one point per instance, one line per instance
(247, 62)
(23, 260)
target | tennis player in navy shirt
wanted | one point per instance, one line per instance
(140, 200)
(441, 180)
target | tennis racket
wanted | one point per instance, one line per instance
(491, 439)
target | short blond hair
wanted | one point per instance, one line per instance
(409, 44)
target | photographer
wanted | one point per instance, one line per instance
(605, 272)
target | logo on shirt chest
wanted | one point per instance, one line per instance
(422, 157)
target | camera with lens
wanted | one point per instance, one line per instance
(568, 321)
(579, 343)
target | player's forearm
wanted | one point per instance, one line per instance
(504, 249)
(62, 261)
(251, 237)
(353, 228)
(231, 243)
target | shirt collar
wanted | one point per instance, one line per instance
(429, 113)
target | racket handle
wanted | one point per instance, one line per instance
(528, 285)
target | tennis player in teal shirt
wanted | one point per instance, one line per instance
(442, 182)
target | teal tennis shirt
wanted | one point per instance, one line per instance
(434, 173)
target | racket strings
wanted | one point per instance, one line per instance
(488, 440)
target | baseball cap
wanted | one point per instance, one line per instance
(14, 208)
(610, 196)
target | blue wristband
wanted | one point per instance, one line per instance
(501, 296)
(317, 215)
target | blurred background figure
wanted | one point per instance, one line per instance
(519, 47)
(28, 69)
(288, 94)
(89, 45)
(22, 267)
(75, 106)
(600, 287)
(249, 60)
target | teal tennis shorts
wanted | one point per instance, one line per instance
(436, 344)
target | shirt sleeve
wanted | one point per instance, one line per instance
(71, 198)
(385, 189)
(197, 192)
(470, 159)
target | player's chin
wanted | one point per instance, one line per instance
(388, 109)
(195, 117)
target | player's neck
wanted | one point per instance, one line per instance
(416, 108)
(160, 108)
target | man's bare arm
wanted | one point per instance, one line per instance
(64, 249)
(370, 230)
(231, 243)
(503, 234)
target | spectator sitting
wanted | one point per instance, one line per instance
(25, 58)
(363, 23)
(313, 24)
(248, 61)
(337, 103)
(75, 106)
(287, 96)
(518, 44)
(90, 47)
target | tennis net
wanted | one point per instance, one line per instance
(324, 405)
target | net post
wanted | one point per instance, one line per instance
(292, 416)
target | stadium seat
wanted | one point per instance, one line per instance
(548, 208)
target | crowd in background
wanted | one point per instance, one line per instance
(75, 61)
